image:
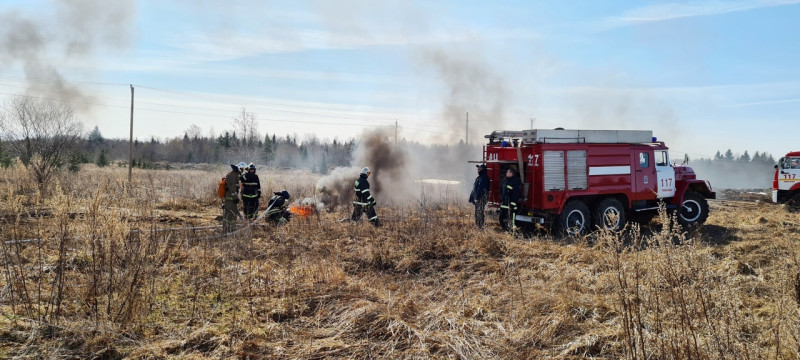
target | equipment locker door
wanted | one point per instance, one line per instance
(644, 175)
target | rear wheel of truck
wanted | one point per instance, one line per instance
(574, 220)
(609, 214)
(793, 204)
(693, 211)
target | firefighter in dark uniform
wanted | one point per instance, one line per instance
(364, 203)
(510, 191)
(230, 208)
(277, 208)
(251, 192)
(480, 194)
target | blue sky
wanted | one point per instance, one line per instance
(703, 75)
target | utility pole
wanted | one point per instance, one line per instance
(532, 120)
(395, 133)
(130, 142)
(466, 136)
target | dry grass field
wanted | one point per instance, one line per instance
(108, 269)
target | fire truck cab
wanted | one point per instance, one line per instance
(577, 180)
(786, 184)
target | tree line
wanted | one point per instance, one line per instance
(229, 147)
(43, 131)
(728, 170)
(47, 136)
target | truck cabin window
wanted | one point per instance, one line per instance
(644, 160)
(662, 158)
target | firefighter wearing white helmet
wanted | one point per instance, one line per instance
(365, 202)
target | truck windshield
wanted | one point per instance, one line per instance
(662, 158)
(791, 163)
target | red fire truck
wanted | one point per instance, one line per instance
(786, 185)
(577, 180)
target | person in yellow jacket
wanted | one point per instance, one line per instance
(230, 207)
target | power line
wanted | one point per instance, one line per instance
(278, 109)
(195, 114)
(41, 81)
(276, 112)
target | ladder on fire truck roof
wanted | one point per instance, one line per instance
(559, 136)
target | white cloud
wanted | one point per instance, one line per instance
(765, 102)
(213, 47)
(670, 11)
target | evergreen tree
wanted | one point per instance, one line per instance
(729, 155)
(718, 156)
(224, 140)
(745, 157)
(234, 141)
(323, 166)
(95, 137)
(102, 159)
(5, 158)
(268, 150)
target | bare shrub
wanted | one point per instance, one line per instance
(43, 133)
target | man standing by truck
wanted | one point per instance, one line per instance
(510, 192)
(480, 194)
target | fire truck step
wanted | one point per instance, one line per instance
(669, 207)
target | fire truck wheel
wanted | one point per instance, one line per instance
(574, 219)
(793, 204)
(609, 214)
(694, 210)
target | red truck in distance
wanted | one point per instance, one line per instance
(786, 184)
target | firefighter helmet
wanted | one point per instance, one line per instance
(251, 166)
(365, 171)
(241, 165)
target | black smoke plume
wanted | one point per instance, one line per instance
(386, 161)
